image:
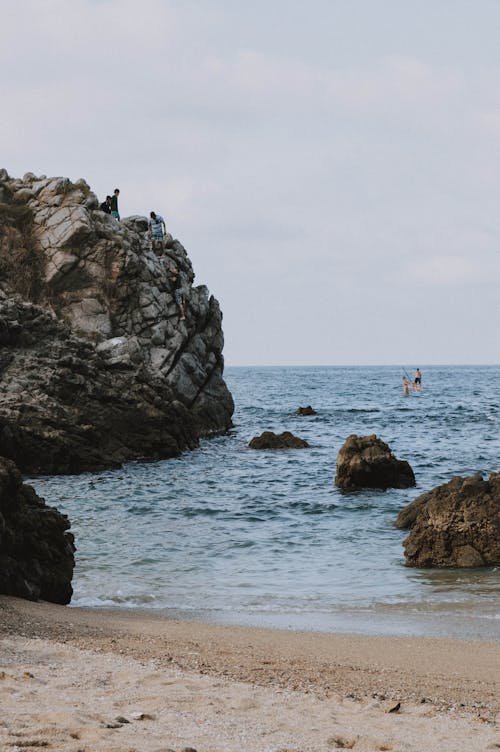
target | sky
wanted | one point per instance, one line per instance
(332, 167)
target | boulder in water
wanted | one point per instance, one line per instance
(367, 462)
(270, 440)
(456, 524)
(306, 411)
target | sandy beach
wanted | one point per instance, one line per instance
(85, 680)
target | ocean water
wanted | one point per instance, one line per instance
(229, 534)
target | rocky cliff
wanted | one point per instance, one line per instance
(95, 366)
(36, 548)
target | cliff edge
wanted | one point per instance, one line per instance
(95, 366)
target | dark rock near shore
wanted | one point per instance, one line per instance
(367, 462)
(95, 366)
(306, 411)
(454, 525)
(270, 440)
(36, 549)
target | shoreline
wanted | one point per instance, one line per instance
(380, 620)
(447, 671)
(129, 661)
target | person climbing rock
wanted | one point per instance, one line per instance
(176, 281)
(156, 231)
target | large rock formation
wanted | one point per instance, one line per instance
(36, 551)
(454, 525)
(95, 366)
(367, 462)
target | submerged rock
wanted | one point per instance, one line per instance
(368, 462)
(95, 366)
(270, 440)
(306, 411)
(454, 525)
(36, 549)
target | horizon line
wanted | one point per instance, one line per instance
(359, 365)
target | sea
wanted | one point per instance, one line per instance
(232, 535)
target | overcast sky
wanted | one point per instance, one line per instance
(332, 167)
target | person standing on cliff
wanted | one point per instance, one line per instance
(174, 277)
(156, 230)
(114, 204)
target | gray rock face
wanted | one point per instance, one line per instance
(367, 462)
(36, 549)
(95, 366)
(454, 525)
(270, 440)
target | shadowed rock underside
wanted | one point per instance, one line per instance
(36, 549)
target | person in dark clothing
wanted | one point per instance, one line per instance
(114, 204)
(174, 277)
(106, 205)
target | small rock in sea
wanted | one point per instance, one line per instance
(306, 411)
(270, 440)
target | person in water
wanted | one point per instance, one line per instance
(174, 277)
(406, 386)
(418, 379)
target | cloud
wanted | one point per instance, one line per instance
(450, 272)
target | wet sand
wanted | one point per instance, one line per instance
(67, 674)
